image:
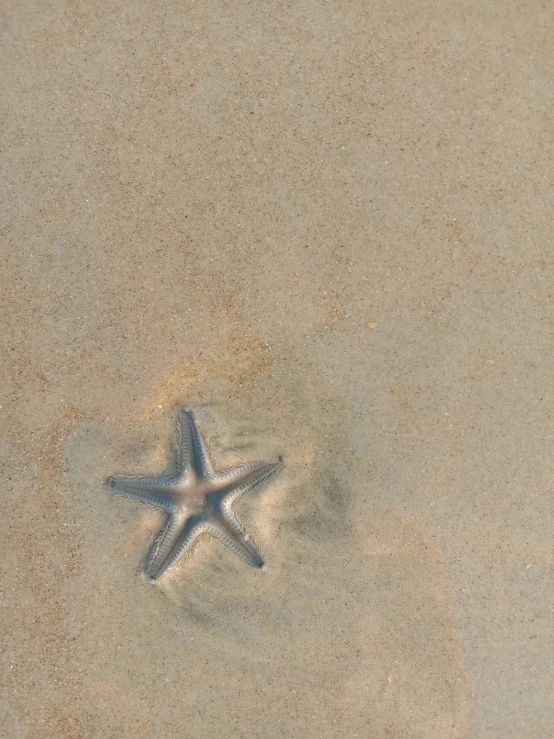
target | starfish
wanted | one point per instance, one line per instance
(197, 500)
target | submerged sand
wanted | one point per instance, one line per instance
(325, 226)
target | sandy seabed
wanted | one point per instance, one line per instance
(327, 227)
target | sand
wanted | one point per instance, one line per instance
(327, 227)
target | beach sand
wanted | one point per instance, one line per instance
(327, 228)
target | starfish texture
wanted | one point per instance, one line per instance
(197, 500)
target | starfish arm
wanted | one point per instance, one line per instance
(239, 474)
(163, 544)
(232, 534)
(202, 461)
(181, 545)
(185, 461)
(255, 478)
(146, 489)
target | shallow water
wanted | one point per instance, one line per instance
(323, 227)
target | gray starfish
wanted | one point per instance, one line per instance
(197, 500)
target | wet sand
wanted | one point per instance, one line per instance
(325, 226)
